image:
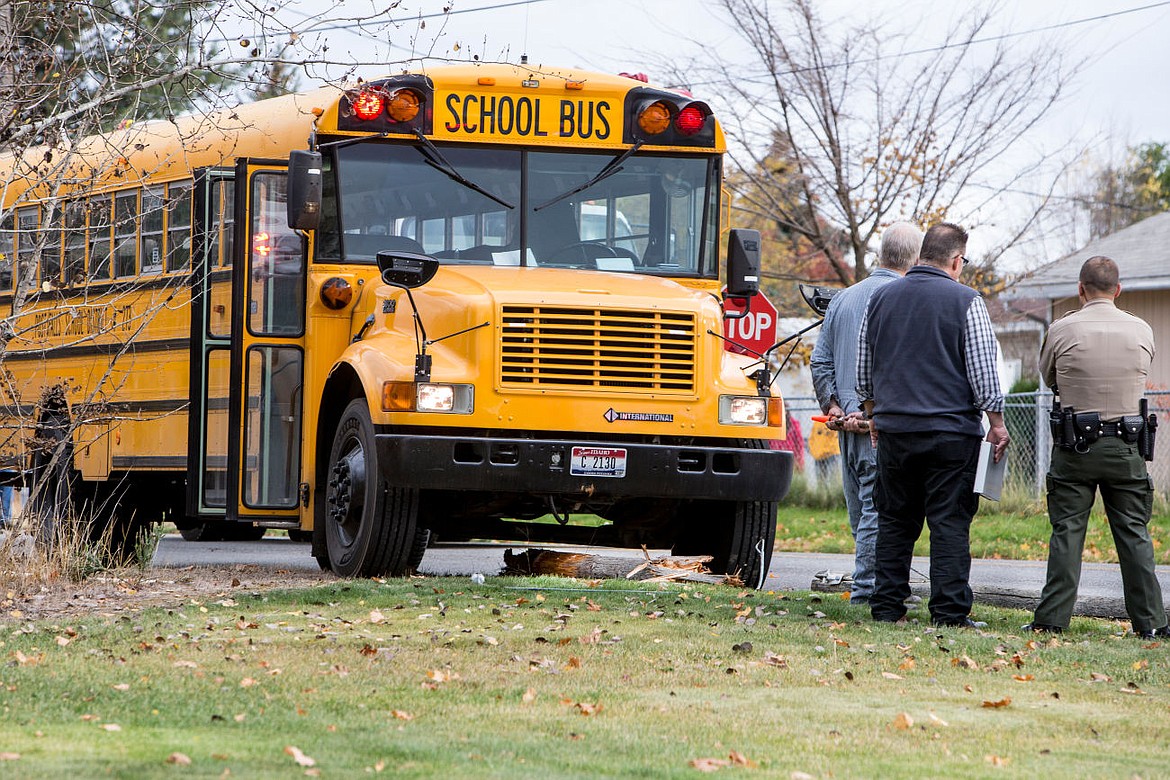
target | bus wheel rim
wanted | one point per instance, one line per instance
(347, 492)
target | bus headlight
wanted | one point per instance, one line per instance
(428, 397)
(750, 410)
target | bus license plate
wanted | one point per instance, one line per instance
(598, 462)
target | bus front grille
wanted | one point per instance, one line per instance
(616, 350)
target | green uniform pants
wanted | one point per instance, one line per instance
(1127, 493)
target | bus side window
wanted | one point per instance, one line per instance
(277, 262)
(26, 242)
(100, 247)
(151, 235)
(179, 226)
(74, 242)
(7, 255)
(51, 251)
(225, 223)
(125, 233)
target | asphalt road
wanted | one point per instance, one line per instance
(1000, 582)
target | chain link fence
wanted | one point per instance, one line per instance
(1026, 416)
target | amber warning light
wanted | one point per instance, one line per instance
(401, 105)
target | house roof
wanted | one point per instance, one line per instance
(1141, 251)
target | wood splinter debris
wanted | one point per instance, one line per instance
(666, 568)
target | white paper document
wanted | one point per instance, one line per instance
(989, 475)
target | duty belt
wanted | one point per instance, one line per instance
(1077, 431)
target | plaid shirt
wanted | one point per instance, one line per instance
(979, 344)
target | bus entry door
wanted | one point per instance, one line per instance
(266, 399)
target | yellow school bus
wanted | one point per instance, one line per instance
(466, 302)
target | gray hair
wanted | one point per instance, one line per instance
(901, 243)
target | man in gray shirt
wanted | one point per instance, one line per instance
(834, 374)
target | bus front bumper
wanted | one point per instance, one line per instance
(544, 466)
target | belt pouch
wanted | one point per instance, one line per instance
(1088, 425)
(1130, 428)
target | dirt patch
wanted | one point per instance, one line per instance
(117, 593)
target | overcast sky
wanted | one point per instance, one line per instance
(1123, 92)
(1121, 97)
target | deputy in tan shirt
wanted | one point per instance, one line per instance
(1097, 360)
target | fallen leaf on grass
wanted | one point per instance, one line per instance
(529, 696)
(377, 617)
(62, 641)
(185, 665)
(27, 660)
(907, 664)
(935, 719)
(1132, 688)
(739, 759)
(247, 682)
(298, 756)
(441, 676)
(592, 638)
(573, 663)
(179, 759)
(709, 764)
(1098, 677)
(586, 708)
(111, 727)
(1023, 677)
(891, 676)
(402, 715)
(1005, 701)
(997, 760)
(966, 662)
(902, 721)
(1142, 664)
(771, 659)
(121, 687)
(9, 756)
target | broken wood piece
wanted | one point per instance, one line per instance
(690, 568)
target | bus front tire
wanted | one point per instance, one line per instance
(739, 535)
(370, 525)
(201, 532)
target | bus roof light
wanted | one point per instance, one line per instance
(367, 105)
(403, 105)
(654, 118)
(690, 120)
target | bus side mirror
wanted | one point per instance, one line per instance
(743, 263)
(304, 190)
(407, 269)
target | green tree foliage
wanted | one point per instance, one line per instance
(1139, 188)
(114, 61)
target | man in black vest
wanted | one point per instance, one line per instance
(926, 373)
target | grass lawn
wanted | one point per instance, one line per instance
(433, 677)
(1012, 535)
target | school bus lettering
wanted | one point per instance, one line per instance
(585, 119)
(492, 115)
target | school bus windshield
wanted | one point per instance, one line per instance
(647, 214)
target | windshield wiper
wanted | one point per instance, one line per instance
(436, 160)
(609, 169)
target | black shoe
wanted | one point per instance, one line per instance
(964, 623)
(1042, 627)
(1156, 633)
